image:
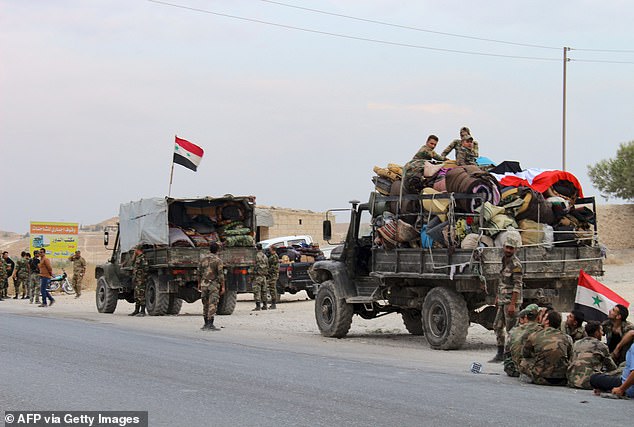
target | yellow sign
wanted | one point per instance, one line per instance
(58, 238)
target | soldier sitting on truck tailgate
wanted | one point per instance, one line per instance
(140, 269)
(509, 295)
(259, 282)
(211, 285)
(274, 274)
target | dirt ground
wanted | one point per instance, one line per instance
(293, 323)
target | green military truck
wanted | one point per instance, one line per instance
(438, 292)
(174, 234)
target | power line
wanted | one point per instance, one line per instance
(346, 36)
(389, 24)
(599, 61)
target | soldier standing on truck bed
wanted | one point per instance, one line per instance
(140, 269)
(211, 285)
(274, 274)
(259, 282)
(509, 295)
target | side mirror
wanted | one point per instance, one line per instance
(327, 230)
(106, 238)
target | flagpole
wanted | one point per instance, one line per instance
(169, 191)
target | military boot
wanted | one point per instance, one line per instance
(211, 325)
(141, 311)
(273, 306)
(257, 306)
(136, 310)
(499, 356)
(206, 325)
(264, 305)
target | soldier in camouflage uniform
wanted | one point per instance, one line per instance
(3, 276)
(79, 269)
(34, 280)
(274, 274)
(140, 268)
(546, 353)
(615, 328)
(589, 356)
(464, 134)
(9, 266)
(509, 295)
(259, 281)
(21, 276)
(517, 337)
(574, 325)
(211, 285)
(426, 152)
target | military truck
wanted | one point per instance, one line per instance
(439, 291)
(174, 234)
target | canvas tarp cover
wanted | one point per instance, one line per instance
(263, 218)
(143, 222)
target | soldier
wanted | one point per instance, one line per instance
(465, 154)
(211, 285)
(34, 280)
(426, 152)
(615, 329)
(274, 274)
(21, 275)
(574, 325)
(140, 269)
(517, 337)
(3, 276)
(9, 267)
(589, 356)
(509, 295)
(546, 354)
(456, 143)
(79, 269)
(259, 281)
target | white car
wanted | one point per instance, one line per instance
(286, 241)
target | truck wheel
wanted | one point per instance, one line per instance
(445, 319)
(413, 320)
(310, 293)
(105, 297)
(333, 315)
(155, 302)
(227, 303)
(174, 306)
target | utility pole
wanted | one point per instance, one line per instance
(563, 124)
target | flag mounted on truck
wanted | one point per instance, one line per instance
(187, 154)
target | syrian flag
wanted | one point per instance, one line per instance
(187, 154)
(595, 299)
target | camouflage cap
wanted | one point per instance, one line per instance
(139, 247)
(531, 309)
(512, 241)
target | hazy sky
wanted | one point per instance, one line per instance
(92, 93)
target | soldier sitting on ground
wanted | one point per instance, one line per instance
(574, 325)
(615, 329)
(589, 356)
(517, 336)
(546, 353)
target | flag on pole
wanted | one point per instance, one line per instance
(187, 154)
(595, 299)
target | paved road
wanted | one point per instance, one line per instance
(70, 364)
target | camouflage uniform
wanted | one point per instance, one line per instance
(625, 328)
(21, 277)
(274, 274)
(212, 278)
(465, 156)
(458, 143)
(514, 345)
(576, 334)
(140, 269)
(79, 269)
(426, 153)
(259, 282)
(546, 355)
(3, 277)
(589, 356)
(510, 281)
(34, 281)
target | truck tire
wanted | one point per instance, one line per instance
(445, 319)
(310, 293)
(227, 303)
(105, 298)
(155, 302)
(174, 306)
(413, 320)
(333, 315)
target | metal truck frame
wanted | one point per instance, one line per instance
(438, 292)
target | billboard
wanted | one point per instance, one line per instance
(58, 238)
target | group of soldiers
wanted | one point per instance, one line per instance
(27, 277)
(267, 271)
(466, 148)
(540, 350)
